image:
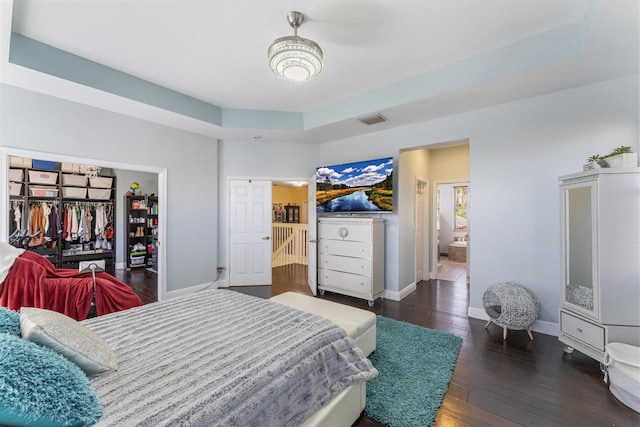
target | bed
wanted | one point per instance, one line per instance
(30, 280)
(219, 357)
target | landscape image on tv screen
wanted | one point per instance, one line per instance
(355, 187)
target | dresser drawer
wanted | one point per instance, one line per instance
(347, 281)
(360, 266)
(582, 330)
(347, 232)
(340, 247)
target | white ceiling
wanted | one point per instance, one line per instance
(412, 60)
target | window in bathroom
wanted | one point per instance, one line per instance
(460, 199)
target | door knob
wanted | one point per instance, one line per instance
(266, 238)
(313, 241)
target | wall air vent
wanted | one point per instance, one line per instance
(373, 119)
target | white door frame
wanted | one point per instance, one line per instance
(422, 183)
(5, 152)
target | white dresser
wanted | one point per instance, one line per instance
(351, 256)
(600, 294)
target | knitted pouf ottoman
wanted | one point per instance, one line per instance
(510, 306)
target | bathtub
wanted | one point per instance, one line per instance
(459, 244)
(458, 251)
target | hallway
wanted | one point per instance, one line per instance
(452, 271)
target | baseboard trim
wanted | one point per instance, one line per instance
(399, 296)
(540, 326)
(190, 290)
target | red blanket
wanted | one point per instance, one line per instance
(34, 282)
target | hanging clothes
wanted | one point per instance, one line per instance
(82, 225)
(87, 226)
(36, 225)
(65, 223)
(73, 232)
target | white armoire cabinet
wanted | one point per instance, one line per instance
(600, 258)
(351, 256)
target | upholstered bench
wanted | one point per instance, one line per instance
(359, 324)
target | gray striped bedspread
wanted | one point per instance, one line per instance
(222, 358)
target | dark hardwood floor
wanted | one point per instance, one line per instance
(143, 282)
(516, 382)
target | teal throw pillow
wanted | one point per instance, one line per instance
(9, 321)
(39, 387)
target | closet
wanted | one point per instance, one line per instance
(60, 213)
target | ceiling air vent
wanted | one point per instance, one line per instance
(373, 119)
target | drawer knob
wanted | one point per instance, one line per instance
(343, 232)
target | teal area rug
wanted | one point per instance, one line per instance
(415, 366)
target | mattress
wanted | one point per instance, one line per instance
(219, 357)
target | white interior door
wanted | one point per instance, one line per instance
(312, 251)
(250, 232)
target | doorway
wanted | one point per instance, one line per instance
(159, 175)
(452, 231)
(286, 254)
(295, 269)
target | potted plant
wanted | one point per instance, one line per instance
(622, 157)
(593, 162)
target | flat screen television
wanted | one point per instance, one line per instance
(365, 186)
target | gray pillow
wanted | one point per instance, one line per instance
(66, 336)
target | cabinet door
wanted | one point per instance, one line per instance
(579, 248)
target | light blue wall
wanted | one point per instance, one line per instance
(37, 122)
(517, 152)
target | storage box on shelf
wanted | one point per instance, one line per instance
(44, 164)
(16, 175)
(99, 193)
(74, 192)
(15, 188)
(19, 162)
(74, 180)
(43, 191)
(16, 181)
(100, 181)
(40, 177)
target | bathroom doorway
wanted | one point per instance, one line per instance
(452, 231)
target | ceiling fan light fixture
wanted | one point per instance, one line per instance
(294, 58)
